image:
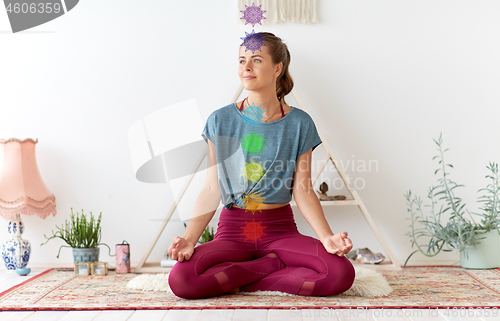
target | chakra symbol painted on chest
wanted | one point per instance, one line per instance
(253, 143)
(253, 171)
(253, 230)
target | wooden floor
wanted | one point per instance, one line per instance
(8, 280)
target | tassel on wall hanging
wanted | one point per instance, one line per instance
(301, 11)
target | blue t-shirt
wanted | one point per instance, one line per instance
(256, 161)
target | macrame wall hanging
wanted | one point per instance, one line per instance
(301, 11)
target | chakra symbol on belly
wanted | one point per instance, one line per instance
(253, 202)
(253, 171)
(253, 230)
(253, 143)
(253, 14)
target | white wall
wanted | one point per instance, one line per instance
(380, 78)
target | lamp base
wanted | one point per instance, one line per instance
(16, 251)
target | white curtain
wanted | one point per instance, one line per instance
(302, 11)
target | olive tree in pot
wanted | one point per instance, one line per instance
(82, 235)
(487, 253)
(478, 243)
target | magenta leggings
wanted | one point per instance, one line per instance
(236, 257)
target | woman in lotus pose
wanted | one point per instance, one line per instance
(259, 154)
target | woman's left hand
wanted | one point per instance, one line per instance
(338, 244)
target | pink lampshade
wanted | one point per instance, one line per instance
(22, 190)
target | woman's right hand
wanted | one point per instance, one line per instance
(181, 249)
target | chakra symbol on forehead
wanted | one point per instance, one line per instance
(252, 41)
(253, 14)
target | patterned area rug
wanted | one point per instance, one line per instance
(414, 287)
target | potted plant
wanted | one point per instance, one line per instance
(207, 236)
(483, 255)
(82, 235)
(478, 243)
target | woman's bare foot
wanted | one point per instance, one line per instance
(235, 290)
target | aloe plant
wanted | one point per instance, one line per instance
(79, 232)
(458, 232)
(207, 235)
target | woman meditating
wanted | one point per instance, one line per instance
(259, 155)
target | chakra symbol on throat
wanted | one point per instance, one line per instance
(254, 112)
(253, 14)
(253, 143)
(253, 230)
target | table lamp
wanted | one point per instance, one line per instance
(22, 191)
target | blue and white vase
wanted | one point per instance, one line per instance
(16, 251)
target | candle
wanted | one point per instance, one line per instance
(82, 269)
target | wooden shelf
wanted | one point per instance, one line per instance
(330, 203)
(151, 267)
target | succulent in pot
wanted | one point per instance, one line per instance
(82, 234)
